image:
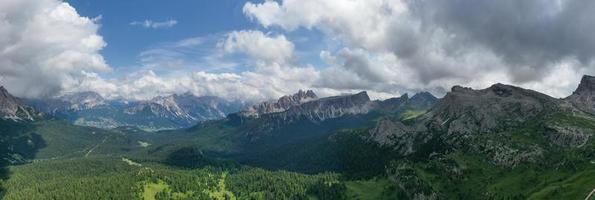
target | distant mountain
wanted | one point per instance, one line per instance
(307, 106)
(282, 104)
(68, 103)
(169, 112)
(185, 108)
(317, 110)
(13, 108)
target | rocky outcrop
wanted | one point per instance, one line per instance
(419, 101)
(400, 137)
(281, 105)
(422, 101)
(327, 108)
(506, 156)
(583, 97)
(567, 136)
(463, 116)
(467, 111)
(13, 108)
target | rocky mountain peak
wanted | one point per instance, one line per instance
(12, 107)
(460, 89)
(327, 108)
(299, 97)
(422, 100)
(3, 90)
(497, 90)
(586, 86)
(423, 95)
(583, 98)
(282, 104)
(83, 100)
(467, 111)
(5, 96)
(184, 109)
(361, 97)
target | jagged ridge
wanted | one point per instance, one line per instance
(13, 108)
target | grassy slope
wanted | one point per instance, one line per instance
(561, 173)
(370, 189)
(62, 140)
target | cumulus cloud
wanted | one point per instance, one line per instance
(155, 24)
(439, 44)
(247, 86)
(36, 56)
(387, 47)
(270, 76)
(259, 46)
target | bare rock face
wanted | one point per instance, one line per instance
(567, 136)
(83, 100)
(468, 111)
(506, 156)
(465, 114)
(307, 106)
(166, 107)
(401, 137)
(422, 100)
(185, 107)
(327, 108)
(12, 107)
(281, 105)
(583, 97)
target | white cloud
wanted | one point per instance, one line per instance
(155, 24)
(384, 46)
(437, 45)
(249, 86)
(259, 46)
(364, 23)
(36, 56)
(270, 75)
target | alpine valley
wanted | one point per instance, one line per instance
(160, 113)
(501, 142)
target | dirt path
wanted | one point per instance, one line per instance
(590, 195)
(91, 150)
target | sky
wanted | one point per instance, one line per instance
(258, 50)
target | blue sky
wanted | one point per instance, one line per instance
(195, 19)
(205, 20)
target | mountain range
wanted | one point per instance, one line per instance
(159, 113)
(501, 142)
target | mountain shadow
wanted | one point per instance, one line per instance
(18, 143)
